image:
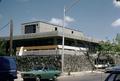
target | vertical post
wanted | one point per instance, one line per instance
(11, 37)
(63, 39)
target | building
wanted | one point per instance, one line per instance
(41, 38)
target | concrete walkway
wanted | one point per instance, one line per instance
(78, 73)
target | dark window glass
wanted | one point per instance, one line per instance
(72, 32)
(30, 28)
(55, 28)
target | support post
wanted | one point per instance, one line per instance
(11, 37)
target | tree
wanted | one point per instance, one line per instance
(105, 46)
(118, 38)
(2, 47)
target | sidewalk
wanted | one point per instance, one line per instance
(78, 73)
(19, 77)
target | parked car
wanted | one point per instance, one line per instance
(40, 72)
(110, 69)
(101, 66)
(114, 75)
(8, 69)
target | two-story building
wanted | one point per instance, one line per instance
(42, 38)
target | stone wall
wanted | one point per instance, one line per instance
(28, 62)
(76, 63)
(72, 63)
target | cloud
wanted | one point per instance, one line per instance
(116, 23)
(116, 3)
(58, 21)
(69, 19)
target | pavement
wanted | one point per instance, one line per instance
(82, 73)
(19, 77)
(65, 74)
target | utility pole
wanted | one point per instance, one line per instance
(63, 40)
(66, 9)
(11, 37)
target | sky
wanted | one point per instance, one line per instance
(99, 19)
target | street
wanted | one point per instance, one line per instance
(91, 76)
(81, 76)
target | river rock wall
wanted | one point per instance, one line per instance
(76, 63)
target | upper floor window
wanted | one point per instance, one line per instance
(30, 28)
(55, 28)
(72, 32)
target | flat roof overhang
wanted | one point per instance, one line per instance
(52, 34)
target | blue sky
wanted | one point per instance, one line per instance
(95, 18)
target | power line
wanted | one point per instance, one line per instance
(4, 26)
(70, 6)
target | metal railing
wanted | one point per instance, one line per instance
(50, 52)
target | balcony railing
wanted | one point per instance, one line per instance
(51, 52)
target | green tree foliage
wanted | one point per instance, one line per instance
(105, 46)
(108, 47)
(118, 38)
(117, 48)
(117, 43)
(2, 47)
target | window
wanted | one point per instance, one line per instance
(30, 28)
(72, 32)
(36, 24)
(55, 28)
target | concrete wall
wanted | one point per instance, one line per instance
(47, 27)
